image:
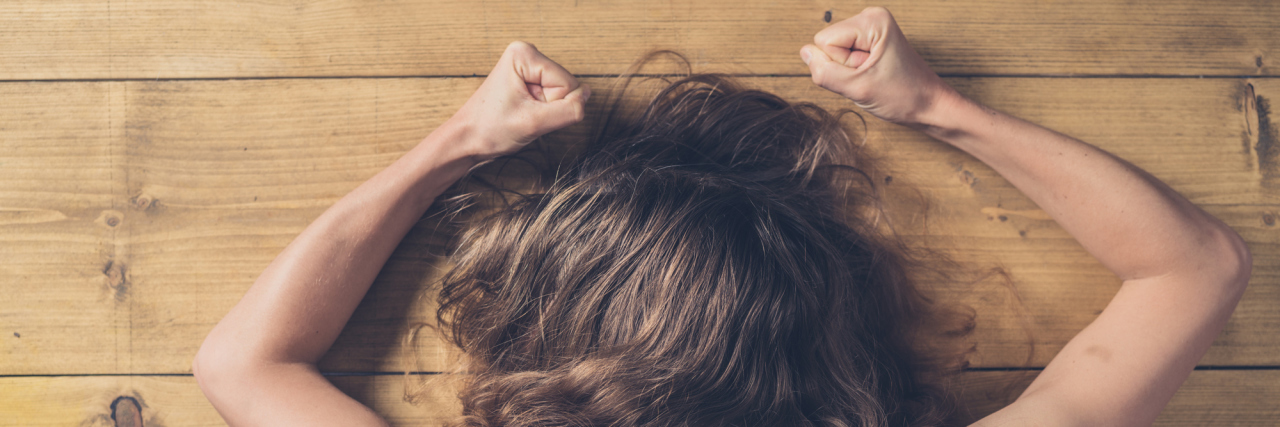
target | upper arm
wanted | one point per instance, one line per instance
(280, 395)
(1125, 366)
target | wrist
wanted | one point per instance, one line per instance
(433, 165)
(942, 119)
(455, 141)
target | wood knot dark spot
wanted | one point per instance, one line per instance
(1003, 218)
(888, 179)
(109, 218)
(826, 16)
(967, 178)
(1022, 233)
(1257, 60)
(17, 335)
(117, 279)
(143, 202)
(1269, 219)
(126, 412)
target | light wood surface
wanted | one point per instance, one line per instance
(209, 180)
(153, 39)
(1207, 398)
(156, 155)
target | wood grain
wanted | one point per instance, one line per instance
(1238, 398)
(177, 400)
(155, 39)
(60, 170)
(213, 178)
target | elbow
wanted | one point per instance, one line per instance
(205, 368)
(215, 365)
(1240, 258)
(202, 367)
(223, 375)
(1233, 261)
(205, 377)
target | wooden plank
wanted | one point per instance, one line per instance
(227, 177)
(60, 166)
(1238, 398)
(89, 401)
(292, 38)
(221, 175)
(1062, 289)
(1211, 397)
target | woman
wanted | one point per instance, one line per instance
(572, 324)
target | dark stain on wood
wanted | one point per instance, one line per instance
(1260, 137)
(126, 412)
(1269, 154)
(117, 279)
(1269, 219)
(1246, 105)
(967, 178)
(1266, 145)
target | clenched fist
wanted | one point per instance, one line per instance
(867, 59)
(525, 96)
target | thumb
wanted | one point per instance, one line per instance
(552, 115)
(825, 71)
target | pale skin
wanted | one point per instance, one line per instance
(1183, 270)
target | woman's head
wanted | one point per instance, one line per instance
(711, 260)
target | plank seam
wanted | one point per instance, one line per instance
(387, 374)
(592, 76)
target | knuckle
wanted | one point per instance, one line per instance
(827, 35)
(519, 45)
(822, 36)
(819, 75)
(857, 92)
(876, 11)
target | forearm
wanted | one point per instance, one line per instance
(258, 365)
(1131, 222)
(297, 307)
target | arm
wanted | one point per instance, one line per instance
(258, 365)
(1183, 270)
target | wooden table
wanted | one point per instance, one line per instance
(156, 155)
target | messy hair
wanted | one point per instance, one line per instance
(716, 257)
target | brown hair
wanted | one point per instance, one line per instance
(715, 258)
